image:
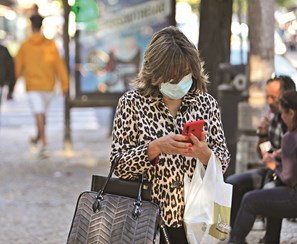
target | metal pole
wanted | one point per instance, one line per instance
(67, 117)
(240, 34)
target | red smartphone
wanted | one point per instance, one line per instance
(194, 127)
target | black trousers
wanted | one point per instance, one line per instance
(176, 236)
(275, 203)
(243, 183)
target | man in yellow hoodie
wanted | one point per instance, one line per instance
(38, 60)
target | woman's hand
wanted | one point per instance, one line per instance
(263, 126)
(269, 161)
(169, 144)
(199, 148)
(277, 153)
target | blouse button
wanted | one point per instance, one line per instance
(176, 184)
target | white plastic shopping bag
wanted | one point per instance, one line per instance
(207, 204)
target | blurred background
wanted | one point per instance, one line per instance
(243, 43)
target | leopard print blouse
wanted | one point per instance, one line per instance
(140, 120)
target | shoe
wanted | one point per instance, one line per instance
(43, 153)
(33, 145)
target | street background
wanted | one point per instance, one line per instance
(38, 196)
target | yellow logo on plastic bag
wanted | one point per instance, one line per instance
(221, 227)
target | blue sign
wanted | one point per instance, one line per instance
(111, 56)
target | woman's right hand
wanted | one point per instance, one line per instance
(269, 160)
(169, 144)
(263, 126)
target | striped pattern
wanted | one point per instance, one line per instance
(113, 223)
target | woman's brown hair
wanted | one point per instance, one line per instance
(168, 58)
(289, 101)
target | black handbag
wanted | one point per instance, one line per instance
(102, 217)
(128, 188)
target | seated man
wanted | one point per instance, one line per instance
(271, 128)
(278, 202)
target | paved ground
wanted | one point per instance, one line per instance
(38, 196)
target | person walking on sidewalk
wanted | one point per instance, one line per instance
(7, 74)
(39, 61)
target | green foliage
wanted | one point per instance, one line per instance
(285, 3)
(243, 4)
(191, 2)
(194, 4)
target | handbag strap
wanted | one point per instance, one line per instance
(112, 168)
(99, 197)
(137, 204)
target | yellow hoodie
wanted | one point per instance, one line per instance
(38, 60)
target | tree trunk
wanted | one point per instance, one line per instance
(261, 59)
(67, 117)
(66, 38)
(214, 38)
(261, 66)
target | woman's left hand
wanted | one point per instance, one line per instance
(269, 160)
(199, 149)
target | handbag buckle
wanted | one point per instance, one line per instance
(176, 184)
(136, 209)
(96, 204)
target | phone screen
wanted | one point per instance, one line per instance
(266, 147)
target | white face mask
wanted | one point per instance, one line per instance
(177, 91)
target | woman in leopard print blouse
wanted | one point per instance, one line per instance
(171, 90)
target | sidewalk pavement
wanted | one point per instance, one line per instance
(38, 196)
